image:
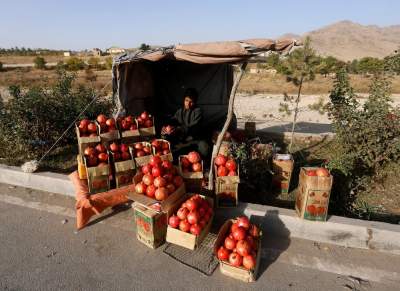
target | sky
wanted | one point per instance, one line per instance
(77, 25)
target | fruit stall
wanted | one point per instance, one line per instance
(175, 199)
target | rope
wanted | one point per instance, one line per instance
(69, 127)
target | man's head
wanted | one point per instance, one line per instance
(190, 98)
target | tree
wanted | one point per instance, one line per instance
(370, 65)
(144, 47)
(94, 63)
(328, 65)
(1, 66)
(392, 63)
(39, 63)
(75, 64)
(300, 66)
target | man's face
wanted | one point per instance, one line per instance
(188, 103)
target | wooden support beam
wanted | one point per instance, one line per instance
(226, 125)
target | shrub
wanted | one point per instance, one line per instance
(39, 63)
(75, 64)
(368, 136)
(94, 63)
(32, 120)
(1, 66)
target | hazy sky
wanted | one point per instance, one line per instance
(73, 24)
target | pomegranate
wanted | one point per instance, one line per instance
(184, 225)
(156, 171)
(110, 122)
(154, 161)
(220, 160)
(161, 193)
(103, 157)
(222, 171)
(92, 127)
(223, 254)
(182, 213)
(165, 152)
(148, 123)
(311, 173)
(170, 188)
(239, 233)
(140, 188)
(232, 173)
(243, 221)
(91, 161)
(124, 148)
(125, 156)
(133, 127)
(174, 221)
(168, 177)
(151, 190)
(235, 259)
(117, 156)
(196, 167)
(138, 146)
(193, 217)
(100, 148)
(191, 204)
(231, 165)
(249, 262)
(166, 165)
(114, 147)
(229, 243)
(148, 179)
(160, 182)
(195, 229)
(243, 247)
(144, 115)
(140, 153)
(194, 157)
(146, 169)
(322, 172)
(185, 162)
(101, 118)
(147, 150)
(89, 151)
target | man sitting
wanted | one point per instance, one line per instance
(184, 129)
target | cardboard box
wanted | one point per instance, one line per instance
(193, 180)
(98, 178)
(140, 161)
(239, 273)
(282, 167)
(85, 141)
(145, 200)
(185, 239)
(108, 138)
(148, 131)
(226, 195)
(312, 195)
(227, 179)
(167, 157)
(123, 171)
(81, 167)
(129, 136)
(151, 225)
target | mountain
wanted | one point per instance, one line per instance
(347, 40)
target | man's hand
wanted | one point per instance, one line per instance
(167, 130)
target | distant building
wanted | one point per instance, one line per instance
(67, 54)
(96, 52)
(115, 51)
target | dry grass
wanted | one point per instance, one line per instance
(265, 83)
(48, 59)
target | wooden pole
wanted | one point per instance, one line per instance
(226, 125)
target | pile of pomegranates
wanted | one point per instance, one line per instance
(106, 124)
(320, 172)
(145, 120)
(141, 149)
(120, 152)
(225, 166)
(87, 128)
(191, 162)
(240, 246)
(96, 156)
(193, 215)
(127, 123)
(159, 179)
(161, 147)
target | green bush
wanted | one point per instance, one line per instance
(39, 63)
(75, 64)
(32, 120)
(368, 136)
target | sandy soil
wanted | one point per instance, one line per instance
(264, 110)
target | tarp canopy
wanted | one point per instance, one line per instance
(155, 80)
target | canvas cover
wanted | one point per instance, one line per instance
(156, 80)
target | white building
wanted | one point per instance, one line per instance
(115, 50)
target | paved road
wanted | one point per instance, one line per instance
(41, 251)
